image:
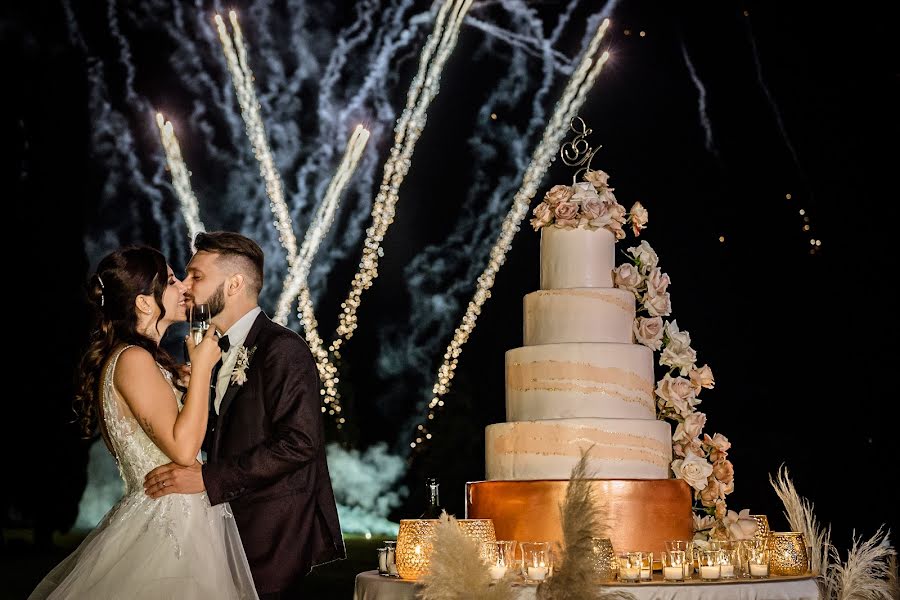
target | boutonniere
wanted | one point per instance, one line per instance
(239, 373)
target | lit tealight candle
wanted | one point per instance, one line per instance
(630, 573)
(709, 572)
(673, 573)
(646, 574)
(759, 570)
(497, 571)
(727, 571)
(537, 573)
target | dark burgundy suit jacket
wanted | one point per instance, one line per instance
(266, 457)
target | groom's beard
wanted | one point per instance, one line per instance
(216, 302)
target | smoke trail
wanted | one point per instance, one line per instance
(771, 99)
(364, 487)
(701, 102)
(442, 276)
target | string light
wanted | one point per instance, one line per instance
(422, 90)
(236, 59)
(573, 97)
(181, 178)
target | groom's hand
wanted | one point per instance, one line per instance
(174, 479)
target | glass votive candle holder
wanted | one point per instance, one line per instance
(646, 565)
(757, 555)
(686, 546)
(630, 564)
(673, 565)
(709, 564)
(729, 560)
(390, 557)
(382, 561)
(537, 561)
(499, 556)
(603, 559)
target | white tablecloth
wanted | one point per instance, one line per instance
(372, 586)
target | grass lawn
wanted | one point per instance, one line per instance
(23, 565)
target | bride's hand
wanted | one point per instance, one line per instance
(207, 352)
(184, 375)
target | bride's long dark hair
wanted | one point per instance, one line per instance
(121, 277)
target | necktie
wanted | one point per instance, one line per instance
(224, 343)
(212, 393)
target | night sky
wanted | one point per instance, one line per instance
(800, 102)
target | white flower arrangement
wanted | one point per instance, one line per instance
(239, 373)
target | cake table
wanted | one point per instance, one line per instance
(372, 586)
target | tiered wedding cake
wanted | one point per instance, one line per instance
(580, 382)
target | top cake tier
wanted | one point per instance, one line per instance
(577, 258)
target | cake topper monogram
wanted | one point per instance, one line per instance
(577, 152)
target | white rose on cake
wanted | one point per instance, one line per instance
(678, 352)
(599, 179)
(583, 192)
(677, 393)
(702, 378)
(645, 256)
(693, 469)
(658, 305)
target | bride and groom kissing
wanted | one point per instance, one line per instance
(260, 513)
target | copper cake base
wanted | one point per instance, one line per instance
(642, 514)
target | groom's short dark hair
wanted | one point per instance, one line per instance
(234, 246)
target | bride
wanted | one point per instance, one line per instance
(177, 546)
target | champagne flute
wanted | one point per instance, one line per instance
(199, 321)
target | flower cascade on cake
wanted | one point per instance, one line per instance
(700, 460)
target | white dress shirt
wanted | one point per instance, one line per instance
(237, 333)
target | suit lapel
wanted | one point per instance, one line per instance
(233, 389)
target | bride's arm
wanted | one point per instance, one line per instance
(152, 401)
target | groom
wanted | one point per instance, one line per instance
(265, 440)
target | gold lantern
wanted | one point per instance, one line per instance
(787, 553)
(415, 542)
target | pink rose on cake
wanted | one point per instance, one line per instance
(724, 471)
(690, 428)
(638, 216)
(712, 494)
(599, 179)
(702, 378)
(543, 216)
(695, 470)
(557, 194)
(718, 446)
(648, 330)
(566, 215)
(656, 304)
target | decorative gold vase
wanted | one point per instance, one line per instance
(415, 542)
(762, 526)
(787, 553)
(604, 560)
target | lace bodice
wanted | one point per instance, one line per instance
(135, 452)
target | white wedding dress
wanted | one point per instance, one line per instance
(177, 546)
